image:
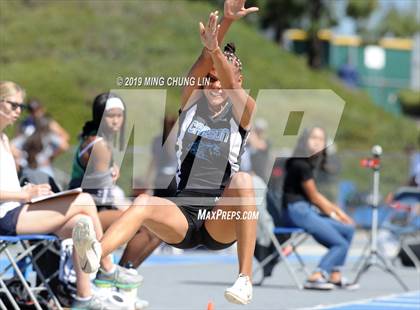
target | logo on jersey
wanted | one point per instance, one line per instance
(204, 150)
(199, 129)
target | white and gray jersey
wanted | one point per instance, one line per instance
(208, 149)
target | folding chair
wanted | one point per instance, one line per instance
(297, 237)
(404, 221)
(44, 241)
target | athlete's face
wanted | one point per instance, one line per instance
(10, 109)
(214, 93)
(114, 119)
(316, 141)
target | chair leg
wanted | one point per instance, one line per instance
(40, 274)
(3, 306)
(411, 255)
(295, 242)
(261, 266)
(23, 280)
(9, 296)
(301, 262)
(286, 262)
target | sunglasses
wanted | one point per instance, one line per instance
(15, 105)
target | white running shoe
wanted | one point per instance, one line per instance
(87, 247)
(240, 292)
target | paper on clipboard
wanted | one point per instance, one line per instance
(59, 194)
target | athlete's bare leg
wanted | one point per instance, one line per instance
(161, 216)
(139, 247)
(239, 196)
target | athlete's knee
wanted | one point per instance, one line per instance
(141, 200)
(142, 206)
(241, 180)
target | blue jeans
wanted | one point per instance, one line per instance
(332, 234)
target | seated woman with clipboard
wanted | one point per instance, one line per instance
(56, 214)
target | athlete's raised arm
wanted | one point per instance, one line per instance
(228, 73)
(233, 10)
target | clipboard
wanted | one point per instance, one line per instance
(55, 195)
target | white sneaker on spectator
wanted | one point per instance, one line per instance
(95, 303)
(240, 292)
(87, 247)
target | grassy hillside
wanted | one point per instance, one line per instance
(66, 52)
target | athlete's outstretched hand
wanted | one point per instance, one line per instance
(209, 32)
(235, 9)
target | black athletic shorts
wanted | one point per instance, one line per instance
(9, 221)
(197, 234)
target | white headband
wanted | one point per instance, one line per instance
(113, 103)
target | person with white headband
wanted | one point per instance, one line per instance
(94, 171)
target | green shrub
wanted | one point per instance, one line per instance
(410, 101)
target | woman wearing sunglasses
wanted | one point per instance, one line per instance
(56, 216)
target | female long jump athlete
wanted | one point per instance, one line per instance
(212, 131)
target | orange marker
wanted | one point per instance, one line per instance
(210, 306)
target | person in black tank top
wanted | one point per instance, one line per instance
(213, 126)
(305, 207)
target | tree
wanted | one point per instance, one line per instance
(314, 43)
(280, 15)
(313, 15)
(399, 24)
(360, 11)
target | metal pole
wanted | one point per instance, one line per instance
(375, 201)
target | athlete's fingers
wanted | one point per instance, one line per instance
(212, 22)
(217, 30)
(209, 20)
(202, 29)
(251, 10)
(214, 25)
